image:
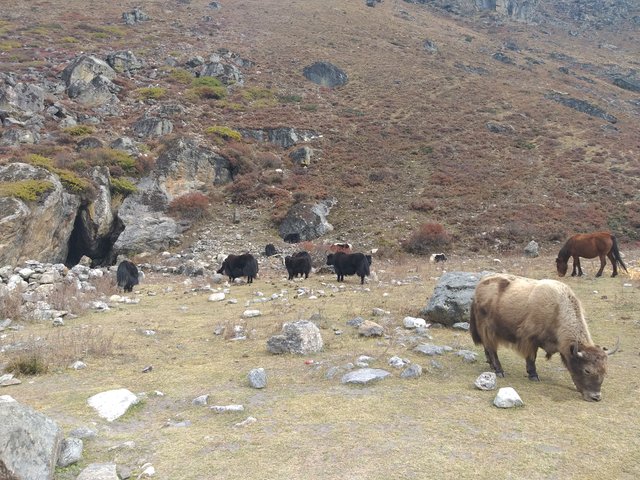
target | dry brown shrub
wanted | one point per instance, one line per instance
(427, 237)
(10, 305)
(423, 205)
(190, 206)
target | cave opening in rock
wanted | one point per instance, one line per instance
(86, 241)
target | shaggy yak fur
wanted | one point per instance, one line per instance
(244, 265)
(298, 264)
(350, 264)
(127, 275)
(528, 314)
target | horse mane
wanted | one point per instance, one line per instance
(564, 254)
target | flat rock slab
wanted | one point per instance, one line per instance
(99, 471)
(364, 376)
(112, 404)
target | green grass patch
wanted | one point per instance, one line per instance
(182, 76)
(122, 186)
(224, 133)
(150, 93)
(206, 93)
(206, 82)
(70, 180)
(78, 130)
(309, 107)
(257, 93)
(8, 45)
(27, 190)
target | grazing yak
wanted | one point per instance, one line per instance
(298, 264)
(244, 265)
(127, 275)
(270, 250)
(350, 264)
(437, 258)
(528, 314)
(292, 238)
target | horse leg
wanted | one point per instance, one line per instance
(612, 257)
(577, 269)
(603, 262)
(492, 359)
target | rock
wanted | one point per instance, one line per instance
(307, 220)
(629, 83)
(126, 144)
(251, 313)
(78, 365)
(364, 376)
(82, 432)
(89, 143)
(88, 80)
(23, 100)
(201, 400)
(135, 16)
(397, 362)
(257, 378)
(99, 471)
(302, 156)
(144, 229)
(39, 230)
(355, 322)
(370, 329)
(468, 356)
(301, 337)
(227, 73)
(8, 379)
(412, 371)
(325, 74)
(486, 381)
(496, 127)
(216, 297)
(461, 326)
(227, 408)
(70, 451)
(507, 397)
(30, 442)
(150, 127)
(501, 57)
(112, 404)
(14, 137)
(124, 61)
(430, 46)
(532, 250)
(247, 421)
(581, 106)
(284, 137)
(430, 349)
(215, 5)
(452, 297)
(413, 322)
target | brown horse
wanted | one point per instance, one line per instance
(589, 245)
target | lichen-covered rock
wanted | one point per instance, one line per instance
(325, 74)
(307, 220)
(301, 337)
(124, 61)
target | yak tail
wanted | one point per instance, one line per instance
(616, 253)
(473, 327)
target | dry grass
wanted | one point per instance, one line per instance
(310, 426)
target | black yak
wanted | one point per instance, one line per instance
(127, 275)
(244, 265)
(350, 264)
(298, 264)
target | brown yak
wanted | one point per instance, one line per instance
(528, 314)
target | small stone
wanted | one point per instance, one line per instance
(412, 371)
(370, 329)
(364, 376)
(379, 312)
(247, 421)
(257, 378)
(216, 297)
(201, 400)
(251, 313)
(430, 349)
(7, 380)
(355, 322)
(58, 322)
(507, 397)
(78, 365)
(468, 356)
(227, 408)
(413, 322)
(486, 381)
(70, 451)
(82, 432)
(461, 326)
(397, 362)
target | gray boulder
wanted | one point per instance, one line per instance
(36, 230)
(124, 61)
(629, 83)
(88, 80)
(257, 378)
(486, 381)
(14, 137)
(370, 329)
(430, 46)
(302, 156)
(307, 220)
(99, 91)
(364, 376)
(325, 74)
(126, 144)
(135, 16)
(452, 298)
(30, 442)
(507, 397)
(99, 471)
(284, 137)
(70, 451)
(23, 100)
(112, 404)
(301, 337)
(412, 371)
(150, 127)
(532, 250)
(227, 73)
(144, 229)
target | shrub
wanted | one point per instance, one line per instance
(191, 206)
(180, 75)
(290, 98)
(112, 157)
(206, 93)
(28, 363)
(427, 237)
(150, 93)
(257, 93)
(27, 190)
(78, 130)
(71, 182)
(423, 205)
(206, 82)
(224, 133)
(122, 186)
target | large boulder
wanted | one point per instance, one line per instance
(35, 230)
(325, 74)
(150, 126)
(284, 137)
(301, 337)
(88, 81)
(30, 442)
(23, 100)
(307, 220)
(452, 298)
(124, 61)
(227, 73)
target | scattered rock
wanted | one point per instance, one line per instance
(307, 220)
(532, 250)
(413, 322)
(325, 74)
(70, 451)
(507, 397)
(468, 356)
(201, 400)
(431, 350)
(251, 313)
(112, 404)
(461, 326)
(301, 337)
(364, 376)
(247, 421)
(227, 408)
(412, 371)
(99, 471)
(135, 16)
(581, 106)
(370, 329)
(216, 297)
(257, 378)
(486, 381)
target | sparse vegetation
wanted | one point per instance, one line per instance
(224, 133)
(70, 180)
(427, 237)
(78, 130)
(27, 190)
(122, 186)
(190, 206)
(150, 93)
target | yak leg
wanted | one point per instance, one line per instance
(603, 262)
(614, 263)
(531, 367)
(492, 359)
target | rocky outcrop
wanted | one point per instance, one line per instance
(227, 73)
(35, 230)
(629, 83)
(150, 126)
(325, 74)
(284, 137)
(124, 61)
(88, 81)
(135, 16)
(22, 100)
(30, 442)
(581, 106)
(307, 220)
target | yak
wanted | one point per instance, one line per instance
(437, 258)
(270, 250)
(235, 266)
(350, 264)
(127, 275)
(528, 314)
(292, 238)
(298, 264)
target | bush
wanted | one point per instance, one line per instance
(112, 157)
(426, 238)
(190, 206)
(206, 82)
(206, 93)
(150, 93)
(27, 190)
(225, 133)
(70, 181)
(28, 363)
(423, 205)
(78, 130)
(180, 75)
(121, 186)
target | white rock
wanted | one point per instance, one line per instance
(216, 297)
(486, 381)
(507, 397)
(413, 322)
(251, 313)
(78, 365)
(227, 408)
(112, 404)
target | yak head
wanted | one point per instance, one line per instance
(587, 365)
(561, 266)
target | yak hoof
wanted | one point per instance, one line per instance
(500, 374)
(534, 378)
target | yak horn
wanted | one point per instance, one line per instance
(615, 349)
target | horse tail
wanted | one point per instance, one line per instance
(473, 325)
(616, 253)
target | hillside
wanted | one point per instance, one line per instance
(501, 129)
